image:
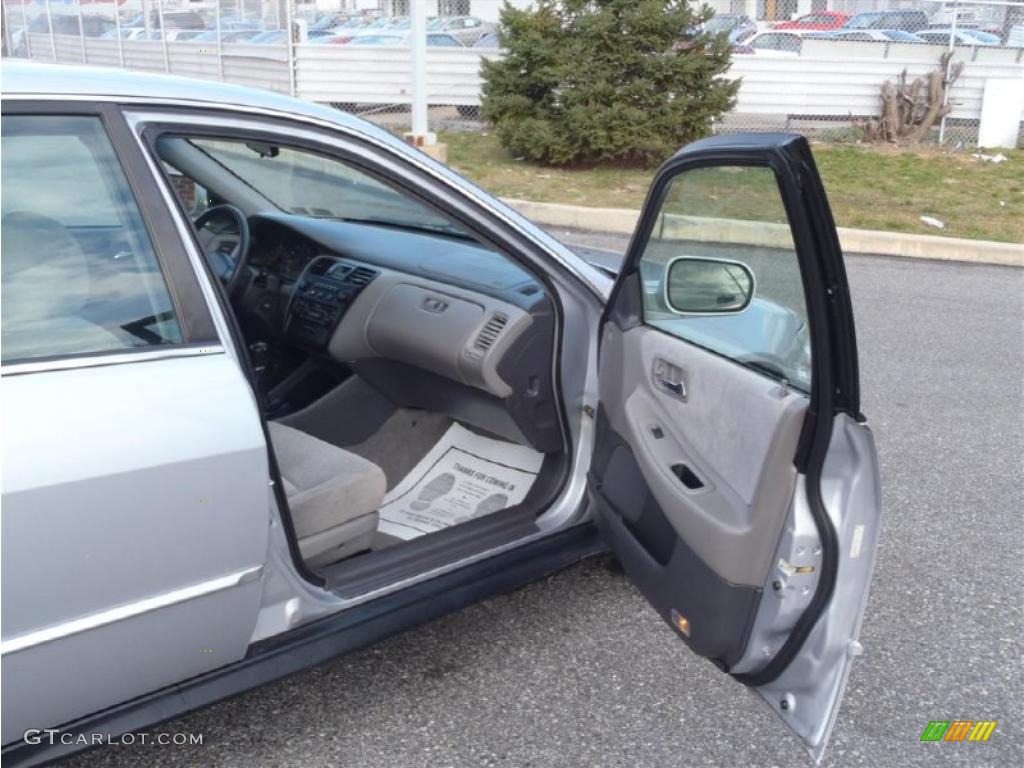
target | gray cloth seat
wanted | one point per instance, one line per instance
(46, 285)
(333, 494)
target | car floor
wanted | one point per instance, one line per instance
(397, 447)
(357, 418)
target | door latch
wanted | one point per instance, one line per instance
(669, 378)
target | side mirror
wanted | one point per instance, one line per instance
(695, 285)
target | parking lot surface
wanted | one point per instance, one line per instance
(578, 671)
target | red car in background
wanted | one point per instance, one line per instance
(816, 20)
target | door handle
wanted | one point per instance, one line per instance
(669, 378)
(673, 387)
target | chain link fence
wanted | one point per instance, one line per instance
(812, 66)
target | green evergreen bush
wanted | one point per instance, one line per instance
(617, 82)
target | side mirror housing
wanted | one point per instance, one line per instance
(697, 285)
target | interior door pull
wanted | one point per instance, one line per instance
(675, 387)
(669, 378)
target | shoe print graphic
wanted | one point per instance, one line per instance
(433, 490)
(492, 503)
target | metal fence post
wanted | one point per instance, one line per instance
(163, 35)
(949, 67)
(418, 59)
(81, 31)
(28, 41)
(120, 42)
(5, 28)
(290, 42)
(49, 25)
(220, 52)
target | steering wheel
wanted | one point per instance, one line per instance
(228, 265)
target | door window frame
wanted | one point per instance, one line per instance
(834, 374)
(192, 313)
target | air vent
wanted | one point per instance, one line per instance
(490, 332)
(320, 266)
(360, 276)
(300, 210)
(529, 289)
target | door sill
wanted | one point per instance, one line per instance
(375, 570)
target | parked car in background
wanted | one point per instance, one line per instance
(737, 26)
(816, 20)
(270, 37)
(466, 29)
(490, 40)
(71, 24)
(434, 40)
(960, 37)
(178, 20)
(869, 35)
(772, 43)
(985, 37)
(227, 36)
(986, 18)
(909, 20)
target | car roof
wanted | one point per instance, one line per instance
(58, 80)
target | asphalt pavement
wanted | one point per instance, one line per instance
(578, 671)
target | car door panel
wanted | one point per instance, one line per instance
(736, 431)
(732, 473)
(817, 677)
(136, 504)
(146, 483)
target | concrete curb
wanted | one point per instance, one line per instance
(622, 221)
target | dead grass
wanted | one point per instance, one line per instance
(885, 188)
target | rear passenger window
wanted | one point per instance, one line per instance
(79, 274)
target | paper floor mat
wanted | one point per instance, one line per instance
(462, 477)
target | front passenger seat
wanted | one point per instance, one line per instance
(333, 494)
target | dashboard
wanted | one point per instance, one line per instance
(431, 320)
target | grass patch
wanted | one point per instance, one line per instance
(884, 188)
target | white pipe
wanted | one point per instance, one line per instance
(291, 46)
(81, 32)
(117, 27)
(418, 12)
(147, 30)
(220, 53)
(49, 25)
(949, 68)
(163, 34)
(28, 41)
(6, 28)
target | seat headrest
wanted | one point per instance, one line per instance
(45, 273)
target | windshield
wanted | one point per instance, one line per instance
(721, 23)
(313, 185)
(863, 21)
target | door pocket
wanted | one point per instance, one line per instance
(687, 477)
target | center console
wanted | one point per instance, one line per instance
(324, 292)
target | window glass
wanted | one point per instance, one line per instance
(308, 184)
(715, 221)
(79, 274)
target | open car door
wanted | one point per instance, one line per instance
(733, 474)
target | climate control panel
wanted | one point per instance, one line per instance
(324, 292)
